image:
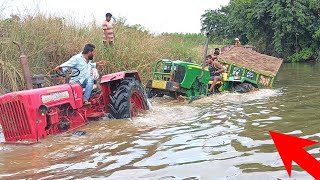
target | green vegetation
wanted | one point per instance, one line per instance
(50, 40)
(289, 29)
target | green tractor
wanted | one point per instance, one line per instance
(175, 77)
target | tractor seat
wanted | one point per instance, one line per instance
(38, 80)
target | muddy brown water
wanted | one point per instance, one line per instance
(220, 137)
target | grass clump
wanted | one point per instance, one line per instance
(51, 40)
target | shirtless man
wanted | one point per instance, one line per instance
(215, 69)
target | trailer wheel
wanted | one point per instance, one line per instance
(127, 99)
(243, 88)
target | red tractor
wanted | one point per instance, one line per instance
(33, 114)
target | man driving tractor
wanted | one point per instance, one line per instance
(82, 62)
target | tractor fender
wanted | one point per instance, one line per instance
(120, 75)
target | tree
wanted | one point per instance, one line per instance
(292, 23)
(214, 22)
(283, 28)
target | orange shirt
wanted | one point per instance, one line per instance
(107, 31)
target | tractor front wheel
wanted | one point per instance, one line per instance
(127, 99)
(154, 92)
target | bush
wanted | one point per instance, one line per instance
(302, 56)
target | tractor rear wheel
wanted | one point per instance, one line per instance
(127, 99)
(243, 88)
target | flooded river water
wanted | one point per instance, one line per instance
(224, 136)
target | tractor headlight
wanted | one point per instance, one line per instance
(43, 109)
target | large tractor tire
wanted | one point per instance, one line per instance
(127, 99)
(243, 88)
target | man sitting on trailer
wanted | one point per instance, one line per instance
(237, 42)
(82, 62)
(215, 69)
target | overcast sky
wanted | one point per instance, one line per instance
(155, 15)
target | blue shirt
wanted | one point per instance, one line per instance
(79, 62)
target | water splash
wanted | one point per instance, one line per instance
(167, 113)
(1, 135)
(238, 98)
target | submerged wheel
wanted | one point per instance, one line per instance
(151, 93)
(159, 94)
(127, 99)
(243, 88)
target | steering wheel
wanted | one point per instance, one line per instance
(69, 72)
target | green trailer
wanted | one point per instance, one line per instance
(242, 79)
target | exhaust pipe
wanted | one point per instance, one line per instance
(205, 55)
(25, 67)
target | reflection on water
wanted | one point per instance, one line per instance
(220, 137)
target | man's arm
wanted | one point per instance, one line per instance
(104, 29)
(71, 63)
(99, 63)
(220, 67)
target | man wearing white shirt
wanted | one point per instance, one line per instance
(83, 62)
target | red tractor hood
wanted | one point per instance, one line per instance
(19, 111)
(50, 96)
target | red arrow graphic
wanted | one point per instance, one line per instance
(291, 149)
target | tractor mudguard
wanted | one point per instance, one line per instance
(120, 75)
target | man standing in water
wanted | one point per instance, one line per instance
(108, 34)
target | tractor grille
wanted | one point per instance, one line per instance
(14, 120)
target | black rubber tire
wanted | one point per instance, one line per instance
(159, 94)
(120, 104)
(151, 93)
(243, 88)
